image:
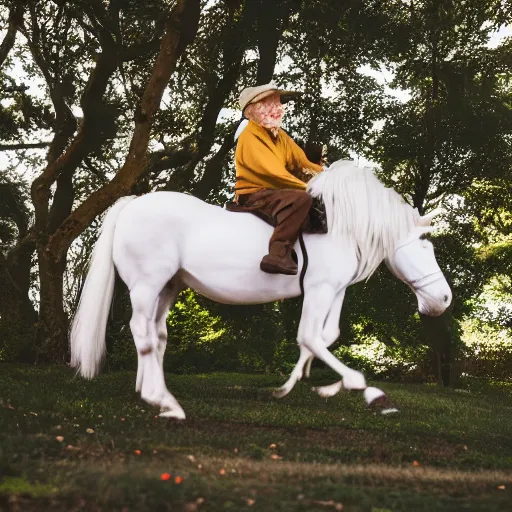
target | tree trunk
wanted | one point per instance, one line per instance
(52, 328)
(441, 333)
(17, 314)
(181, 28)
(271, 23)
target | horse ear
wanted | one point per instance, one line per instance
(425, 220)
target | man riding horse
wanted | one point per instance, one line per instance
(269, 165)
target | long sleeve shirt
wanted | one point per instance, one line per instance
(263, 161)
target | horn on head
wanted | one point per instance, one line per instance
(426, 219)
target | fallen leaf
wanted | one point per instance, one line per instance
(222, 471)
(100, 416)
(165, 476)
(200, 501)
(416, 464)
(155, 452)
(178, 480)
(199, 466)
(273, 446)
(236, 450)
(330, 503)
(33, 413)
(122, 419)
(250, 502)
(90, 431)
(274, 456)
(501, 487)
(60, 439)
(137, 452)
(191, 458)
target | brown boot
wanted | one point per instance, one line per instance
(281, 259)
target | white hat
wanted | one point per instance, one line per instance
(255, 94)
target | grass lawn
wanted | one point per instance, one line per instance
(67, 444)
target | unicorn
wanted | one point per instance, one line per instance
(163, 242)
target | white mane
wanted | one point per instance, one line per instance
(360, 208)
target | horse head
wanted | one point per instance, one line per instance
(414, 262)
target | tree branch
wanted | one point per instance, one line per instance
(15, 21)
(180, 30)
(270, 28)
(235, 42)
(213, 171)
(68, 161)
(14, 147)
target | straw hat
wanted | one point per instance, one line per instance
(255, 94)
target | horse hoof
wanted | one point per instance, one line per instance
(173, 413)
(378, 401)
(391, 410)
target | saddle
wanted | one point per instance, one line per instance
(315, 223)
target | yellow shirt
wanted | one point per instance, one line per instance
(263, 161)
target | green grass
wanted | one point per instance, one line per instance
(327, 452)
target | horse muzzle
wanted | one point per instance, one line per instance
(434, 296)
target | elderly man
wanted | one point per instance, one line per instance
(268, 163)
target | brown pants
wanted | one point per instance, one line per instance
(288, 208)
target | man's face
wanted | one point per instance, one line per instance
(268, 112)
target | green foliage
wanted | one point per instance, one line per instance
(447, 141)
(16, 339)
(204, 336)
(487, 350)
(377, 360)
(194, 336)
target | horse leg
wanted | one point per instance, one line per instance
(307, 367)
(165, 302)
(153, 388)
(330, 333)
(296, 374)
(316, 305)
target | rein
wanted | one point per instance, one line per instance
(305, 262)
(414, 282)
(420, 283)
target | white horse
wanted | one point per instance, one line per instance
(163, 242)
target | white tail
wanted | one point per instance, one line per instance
(87, 333)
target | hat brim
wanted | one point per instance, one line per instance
(286, 96)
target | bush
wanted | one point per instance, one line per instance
(379, 361)
(487, 350)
